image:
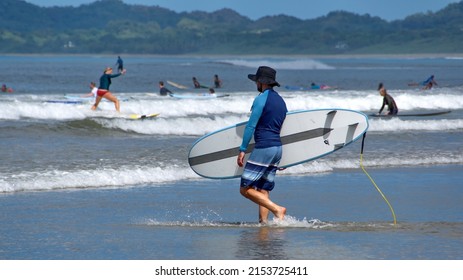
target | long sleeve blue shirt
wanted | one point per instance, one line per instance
(105, 80)
(267, 117)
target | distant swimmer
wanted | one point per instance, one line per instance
(120, 64)
(6, 89)
(103, 89)
(387, 100)
(427, 84)
(217, 81)
(163, 90)
(196, 84)
(315, 86)
(212, 92)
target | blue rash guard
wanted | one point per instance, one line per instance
(268, 113)
(105, 80)
(427, 81)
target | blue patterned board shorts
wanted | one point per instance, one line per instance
(259, 171)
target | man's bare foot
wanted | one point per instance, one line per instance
(280, 214)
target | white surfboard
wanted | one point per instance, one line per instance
(116, 115)
(424, 114)
(177, 85)
(142, 117)
(198, 96)
(305, 135)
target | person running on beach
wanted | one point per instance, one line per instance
(103, 89)
(387, 100)
(163, 90)
(120, 64)
(267, 117)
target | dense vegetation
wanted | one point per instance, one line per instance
(111, 26)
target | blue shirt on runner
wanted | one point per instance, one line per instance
(267, 117)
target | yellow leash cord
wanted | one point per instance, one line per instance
(374, 184)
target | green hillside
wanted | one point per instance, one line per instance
(111, 26)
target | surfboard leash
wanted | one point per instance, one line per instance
(372, 181)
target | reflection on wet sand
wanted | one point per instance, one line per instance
(260, 243)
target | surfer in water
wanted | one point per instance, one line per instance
(196, 84)
(267, 117)
(93, 92)
(120, 64)
(163, 90)
(6, 89)
(429, 83)
(387, 100)
(103, 89)
(217, 81)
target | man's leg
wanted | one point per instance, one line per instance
(264, 201)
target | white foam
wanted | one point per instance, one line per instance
(236, 104)
(133, 175)
(288, 221)
(399, 125)
(101, 178)
(287, 64)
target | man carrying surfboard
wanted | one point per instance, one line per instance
(267, 117)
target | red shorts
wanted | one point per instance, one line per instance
(101, 92)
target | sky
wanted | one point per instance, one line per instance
(302, 9)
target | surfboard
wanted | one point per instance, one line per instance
(177, 85)
(65, 101)
(80, 98)
(296, 88)
(305, 135)
(116, 115)
(90, 98)
(428, 114)
(198, 96)
(142, 117)
(320, 88)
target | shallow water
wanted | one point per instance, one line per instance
(79, 184)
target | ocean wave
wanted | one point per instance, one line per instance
(451, 99)
(200, 125)
(401, 125)
(132, 176)
(91, 179)
(293, 64)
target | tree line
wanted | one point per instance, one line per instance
(111, 26)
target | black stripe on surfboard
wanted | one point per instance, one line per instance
(288, 139)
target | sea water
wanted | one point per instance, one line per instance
(83, 184)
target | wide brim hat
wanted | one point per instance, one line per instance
(265, 75)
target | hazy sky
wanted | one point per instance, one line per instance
(303, 9)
